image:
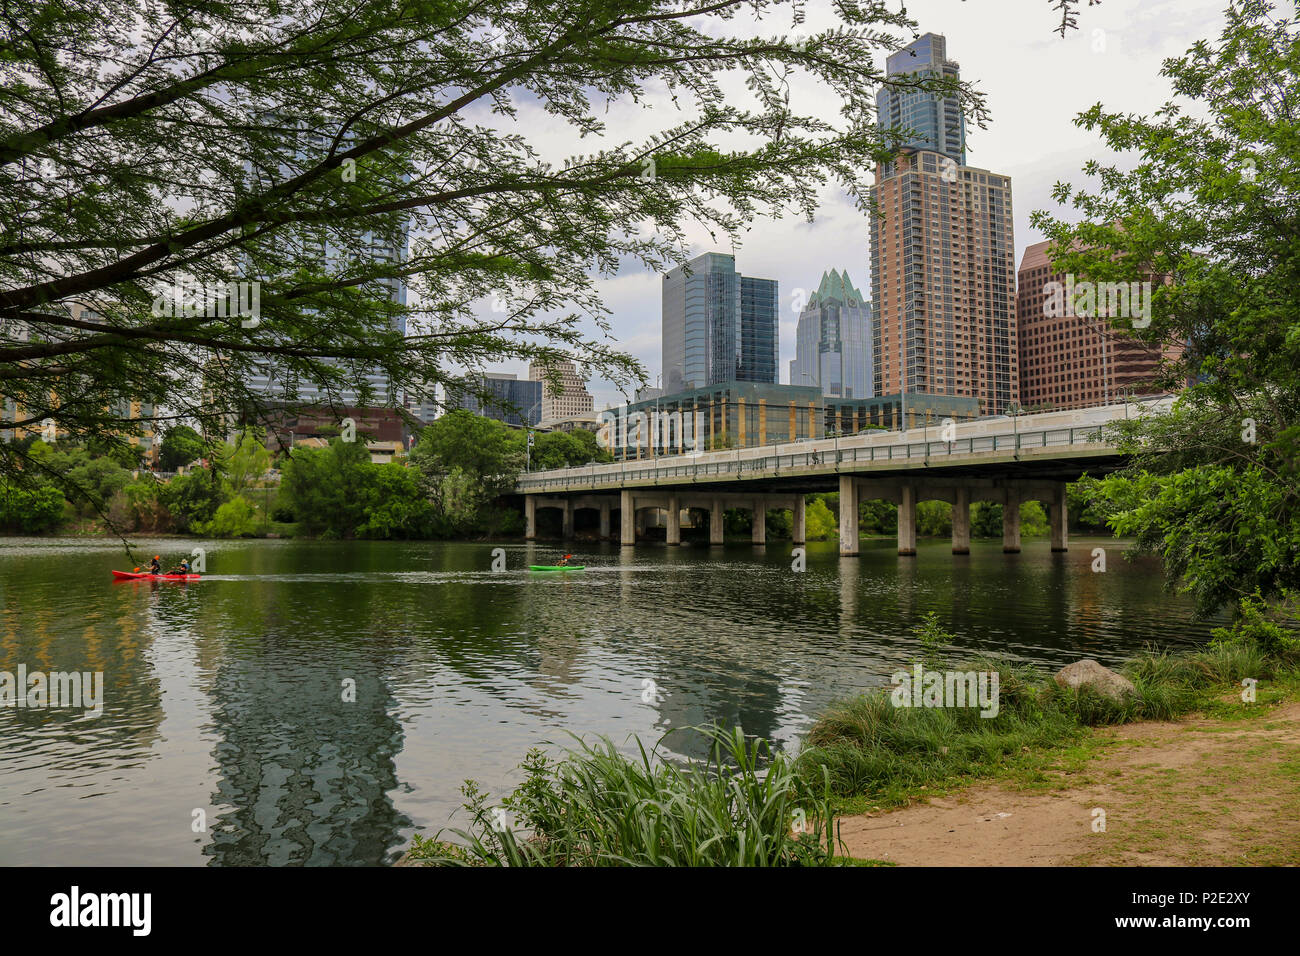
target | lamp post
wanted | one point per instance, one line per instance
(1127, 391)
(658, 414)
(1014, 411)
(528, 446)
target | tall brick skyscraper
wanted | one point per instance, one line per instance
(943, 278)
(1070, 361)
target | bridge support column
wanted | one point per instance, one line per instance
(530, 517)
(567, 530)
(1011, 522)
(759, 513)
(848, 515)
(907, 520)
(715, 522)
(604, 519)
(674, 520)
(797, 513)
(642, 522)
(1060, 520)
(961, 521)
(627, 519)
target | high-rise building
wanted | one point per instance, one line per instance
(318, 244)
(517, 401)
(936, 123)
(1069, 360)
(570, 400)
(718, 326)
(137, 420)
(943, 282)
(421, 403)
(833, 340)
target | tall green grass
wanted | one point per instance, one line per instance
(866, 747)
(742, 806)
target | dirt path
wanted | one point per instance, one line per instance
(1198, 792)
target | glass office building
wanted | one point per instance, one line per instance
(517, 401)
(759, 347)
(935, 123)
(833, 348)
(719, 416)
(718, 326)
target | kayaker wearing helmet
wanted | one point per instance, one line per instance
(155, 566)
(563, 561)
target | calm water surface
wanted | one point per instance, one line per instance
(226, 696)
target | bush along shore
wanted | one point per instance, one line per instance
(749, 806)
(452, 485)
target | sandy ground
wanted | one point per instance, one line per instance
(1197, 792)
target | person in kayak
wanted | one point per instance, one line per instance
(155, 566)
(564, 561)
(182, 568)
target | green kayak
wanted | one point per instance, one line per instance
(556, 567)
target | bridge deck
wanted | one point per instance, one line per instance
(1056, 446)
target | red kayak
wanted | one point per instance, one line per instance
(136, 575)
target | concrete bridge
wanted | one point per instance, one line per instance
(1002, 459)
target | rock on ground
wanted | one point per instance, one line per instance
(1088, 673)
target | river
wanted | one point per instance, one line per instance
(316, 703)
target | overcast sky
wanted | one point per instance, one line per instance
(1035, 83)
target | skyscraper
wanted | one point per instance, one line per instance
(718, 326)
(524, 395)
(569, 400)
(317, 243)
(833, 342)
(937, 123)
(1072, 361)
(943, 273)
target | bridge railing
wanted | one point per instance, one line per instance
(685, 468)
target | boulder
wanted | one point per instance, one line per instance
(1088, 673)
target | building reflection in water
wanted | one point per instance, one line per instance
(305, 777)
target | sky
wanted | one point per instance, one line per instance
(1035, 83)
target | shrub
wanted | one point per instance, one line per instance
(237, 518)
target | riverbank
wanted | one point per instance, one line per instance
(1206, 791)
(1027, 734)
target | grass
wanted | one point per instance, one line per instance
(876, 755)
(743, 806)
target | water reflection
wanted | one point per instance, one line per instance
(227, 696)
(304, 774)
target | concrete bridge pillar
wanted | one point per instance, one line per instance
(567, 530)
(715, 522)
(907, 519)
(604, 519)
(1060, 520)
(797, 511)
(627, 519)
(759, 513)
(848, 515)
(1011, 522)
(674, 520)
(642, 522)
(961, 521)
(530, 517)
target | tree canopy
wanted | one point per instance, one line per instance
(1211, 210)
(366, 163)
